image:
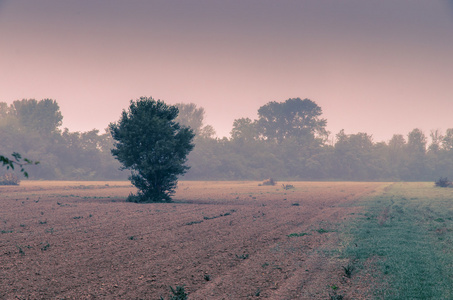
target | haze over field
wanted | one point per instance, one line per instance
(380, 67)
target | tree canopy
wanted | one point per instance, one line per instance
(294, 118)
(153, 146)
(43, 116)
(287, 149)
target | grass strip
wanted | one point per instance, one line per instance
(407, 234)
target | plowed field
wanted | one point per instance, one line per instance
(220, 240)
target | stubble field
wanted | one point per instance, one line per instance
(220, 240)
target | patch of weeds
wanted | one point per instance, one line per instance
(42, 222)
(243, 256)
(21, 251)
(277, 268)
(348, 270)
(266, 264)
(131, 238)
(440, 220)
(334, 287)
(6, 231)
(207, 277)
(78, 217)
(257, 292)
(50, 230)
(194, 222)
(295, 204)
(22, 225)
(221, 215)
(335, 296)
(297, 234)
(398, 209)
(287, 186)
(322, 230)
(45, 247)
(178, 293)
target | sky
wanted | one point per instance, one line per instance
(382, 67)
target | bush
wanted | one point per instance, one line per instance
(9, 179)
(443, 182)
(269, 181)
(153, 146)
(178, 293)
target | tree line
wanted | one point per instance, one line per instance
(288, 141)
(32, 128)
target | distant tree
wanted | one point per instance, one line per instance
(43, 116)
(192, 116)
(294, 118)
(447, 141)
(396, 146)
(4, 110)
(417, 167)
(244, 130)
(416, 142)
(153, 146)
(397, 156)
(436, 140)
(354, 156)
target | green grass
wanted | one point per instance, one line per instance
(407, 234)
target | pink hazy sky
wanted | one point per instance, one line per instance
(376, 66)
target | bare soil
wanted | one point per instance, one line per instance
(220, 240)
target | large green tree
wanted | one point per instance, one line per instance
(150, 143)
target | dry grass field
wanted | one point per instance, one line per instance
(220, 240)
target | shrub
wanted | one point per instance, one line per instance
(443, 182)
(9, 179)
(153, 146)
(287, 186)
(269, 181)
(178, 294)
(348, 270)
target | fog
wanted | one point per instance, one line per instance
(288, 140)
(379, 67)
